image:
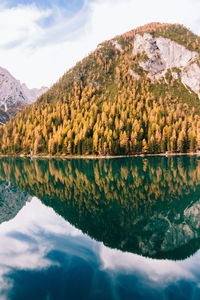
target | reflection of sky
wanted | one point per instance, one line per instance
(43, 257)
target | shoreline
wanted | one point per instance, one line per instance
(98, 156)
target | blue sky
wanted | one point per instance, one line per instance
(72, 5)
(68, 8)
(40, 40)
(65, 9)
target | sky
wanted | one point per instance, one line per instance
(41, 39)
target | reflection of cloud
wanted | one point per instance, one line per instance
(39, 246)
(22, 246)
(5, 284)
(38, 243)
(160, 271)
(145, 278)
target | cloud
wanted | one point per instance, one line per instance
(20, 24)
(39, 43)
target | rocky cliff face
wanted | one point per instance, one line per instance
(14, 95)
(33, 94)
(11, 91)
(164, 55)
(11, 201)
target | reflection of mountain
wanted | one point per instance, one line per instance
(11, 201)
(148, 206)
(172, 238)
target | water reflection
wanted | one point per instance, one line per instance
(149, 206)
(12, 199)
(44, 257)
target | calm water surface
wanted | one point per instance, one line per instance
(100, 229)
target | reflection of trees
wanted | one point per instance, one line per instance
(116, 200)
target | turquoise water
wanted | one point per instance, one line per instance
(124, 228)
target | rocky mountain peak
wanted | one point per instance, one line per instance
(11, 91)
(14, 96)
(163, 55)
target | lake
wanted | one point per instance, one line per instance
(124, 228)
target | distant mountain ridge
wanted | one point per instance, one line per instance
(14, 96)
(136, 93)
(33, 94)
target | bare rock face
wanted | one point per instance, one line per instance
(11, 91)
(117, 46)
(33, 94)
(164, 55)
(14, 96)
(134, 74)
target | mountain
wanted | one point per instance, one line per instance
(14, 96)
(33, 94)
(136, 93)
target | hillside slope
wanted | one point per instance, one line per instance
(138, 92)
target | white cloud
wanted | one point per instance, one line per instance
(19, 24)
(38, 54)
